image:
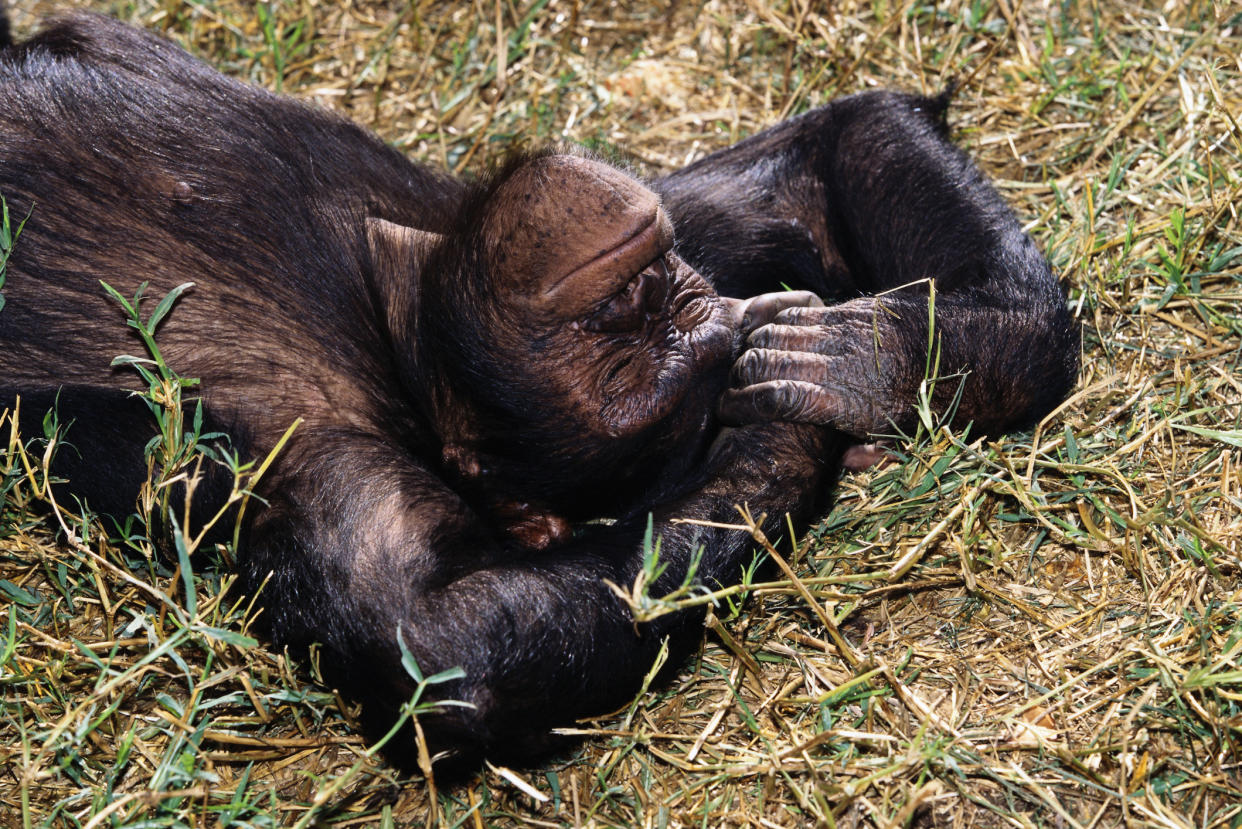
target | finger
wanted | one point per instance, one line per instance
(815, 339)
(806, 316)
(789, 400)
(749, 314)
(760, 365)
(762, 309)
(852, 312)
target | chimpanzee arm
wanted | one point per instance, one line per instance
(865, 202)
(376, 542)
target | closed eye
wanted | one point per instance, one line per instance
(625, 310)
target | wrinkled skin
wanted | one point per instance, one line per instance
(482, 367)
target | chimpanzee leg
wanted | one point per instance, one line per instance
(95, 449)
(101, 443)
(861, 198)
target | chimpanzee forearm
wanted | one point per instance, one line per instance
(541, 637)
(857, 197)
(864, 198)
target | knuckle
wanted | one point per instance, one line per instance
(802, 314)
(748, 366)
(795, 399)
(765, 336)
(780, 400)
(761, 364)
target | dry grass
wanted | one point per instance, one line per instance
(1041, 631)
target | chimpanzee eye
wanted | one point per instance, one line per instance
(659, 287)
(625, 311)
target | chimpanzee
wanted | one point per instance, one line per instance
(485, 367)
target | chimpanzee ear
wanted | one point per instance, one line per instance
(398, 256)
(397, 249)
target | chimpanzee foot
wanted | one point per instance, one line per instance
(531, 526)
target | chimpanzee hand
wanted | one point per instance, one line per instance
(844, 365)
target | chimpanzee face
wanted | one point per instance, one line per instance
(605, 352)
(631, 324)
(640, 333)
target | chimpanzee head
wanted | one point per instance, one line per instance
(572, 358)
